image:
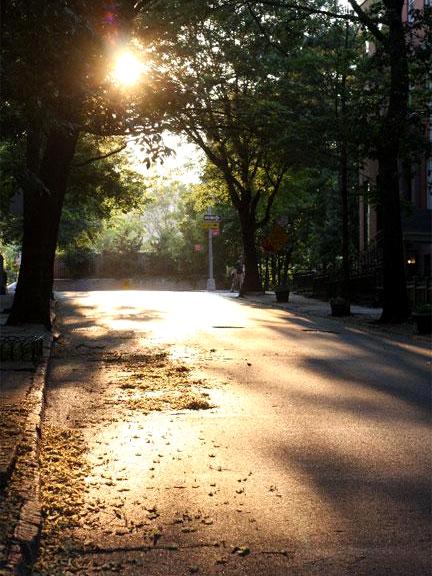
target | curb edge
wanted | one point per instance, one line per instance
(25, 542)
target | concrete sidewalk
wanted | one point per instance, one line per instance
(302, 305)
(362, 317)
(22, 382)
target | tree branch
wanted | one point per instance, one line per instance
(361, 16)
(95, 158)
(271, 198)
(367, 21)
(307, 9)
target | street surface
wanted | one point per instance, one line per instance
(197, 433)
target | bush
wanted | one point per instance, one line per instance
(78, 262)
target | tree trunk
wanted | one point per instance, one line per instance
(343, 189)
(252, 280)
(343, 181)
(42, 212)
(395, 299)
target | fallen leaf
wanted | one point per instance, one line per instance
(241, 550)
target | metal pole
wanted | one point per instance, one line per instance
(211, 285)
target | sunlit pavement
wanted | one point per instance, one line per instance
(315, 460)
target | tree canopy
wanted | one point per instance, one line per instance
(270, 91)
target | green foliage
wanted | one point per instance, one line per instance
(122, 234)
(240, 101)
(270, 91)
(77, 260)
(96, 191)
(271, 97)
(11, 169)
(10, 253)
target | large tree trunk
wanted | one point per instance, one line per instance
(395, 299)
(42, 212)
(252, 280)
(343, 189)
(343, 182)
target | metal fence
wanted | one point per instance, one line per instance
(364, 288)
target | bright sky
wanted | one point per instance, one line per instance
(183, 165)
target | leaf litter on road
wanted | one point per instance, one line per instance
(156, 383)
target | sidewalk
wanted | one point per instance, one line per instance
(300, 304)
(362, 317)
(22, 380)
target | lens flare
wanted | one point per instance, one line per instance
(128, 69)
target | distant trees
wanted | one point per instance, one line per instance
(96, 190)
(239, 100)
(400, 48)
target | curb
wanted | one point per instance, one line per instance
(25, 542)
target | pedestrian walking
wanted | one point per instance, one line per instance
(237, 275)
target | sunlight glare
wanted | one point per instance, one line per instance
(128, 69)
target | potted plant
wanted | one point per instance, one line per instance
(422, 316)
(340, 306)
(282, 293)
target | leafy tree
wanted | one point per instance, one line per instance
(173, 226)
(405, 50)
(237, 100)
(11, 168)
(96, 190)
(394, 128)
(55, 86)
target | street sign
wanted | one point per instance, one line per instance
(212, 218)
(211, 225)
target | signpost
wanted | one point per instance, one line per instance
(211, 223)
(209, 217)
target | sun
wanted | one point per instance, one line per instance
(128, 69)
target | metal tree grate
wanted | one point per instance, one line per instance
(21, 347)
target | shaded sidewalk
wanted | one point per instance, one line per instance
(362, 317)
(22, 382)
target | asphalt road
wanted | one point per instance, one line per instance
(315, 459)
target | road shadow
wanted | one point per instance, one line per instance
(383, 362)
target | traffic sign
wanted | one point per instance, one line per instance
(212, 218)
(211, 225)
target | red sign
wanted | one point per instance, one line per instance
(276, 240)
(215, 232)
(197, 247)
